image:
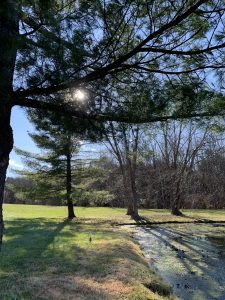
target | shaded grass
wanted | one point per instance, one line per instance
(47, 257)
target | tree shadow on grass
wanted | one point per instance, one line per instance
(33, 263)
(27, 239)
(48, 259)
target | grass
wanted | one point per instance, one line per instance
(45, 256)
(112, 215)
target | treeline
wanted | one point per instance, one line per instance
(158, 185)
(169, 165)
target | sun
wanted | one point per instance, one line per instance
(80, 95)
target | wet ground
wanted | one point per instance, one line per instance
(190, 257)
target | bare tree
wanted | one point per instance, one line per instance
(123, 142)
(176, 147)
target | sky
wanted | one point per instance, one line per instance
(21, 126)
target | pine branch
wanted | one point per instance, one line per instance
(115, 66)
(66, 110)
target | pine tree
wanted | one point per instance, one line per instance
(60, 147)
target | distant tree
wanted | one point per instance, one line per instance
(43, 189)
(15, 187)
(123, 141)
(91, 182)
(60, 148)
(179, 145)
(40, 184)
(211, 172)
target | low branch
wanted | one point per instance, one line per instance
(122, 118)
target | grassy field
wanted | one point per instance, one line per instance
(45, 256)
(112, 215)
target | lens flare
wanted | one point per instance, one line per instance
(80, 95)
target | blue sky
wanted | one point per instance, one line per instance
(20, 125)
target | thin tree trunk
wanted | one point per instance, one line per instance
(71, 214)
(131, 166)
(134, 207)
(127, 193)
(132, 204)
(117, 152)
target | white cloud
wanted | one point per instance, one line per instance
(14, 164)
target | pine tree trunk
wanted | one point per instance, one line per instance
(6, 145)
(9, 32)
(71, 214)
(3, 169)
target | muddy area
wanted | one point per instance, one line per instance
(190, 257)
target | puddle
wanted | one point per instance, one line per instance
(190, 257)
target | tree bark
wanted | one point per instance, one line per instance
(176, 201)
(71, 214)
(176, 210)
(6, 145)
(9, 33)
(133, 207)
(127, 193)
(131, 169)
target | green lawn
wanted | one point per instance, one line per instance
(113, 215)
(45, 256)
